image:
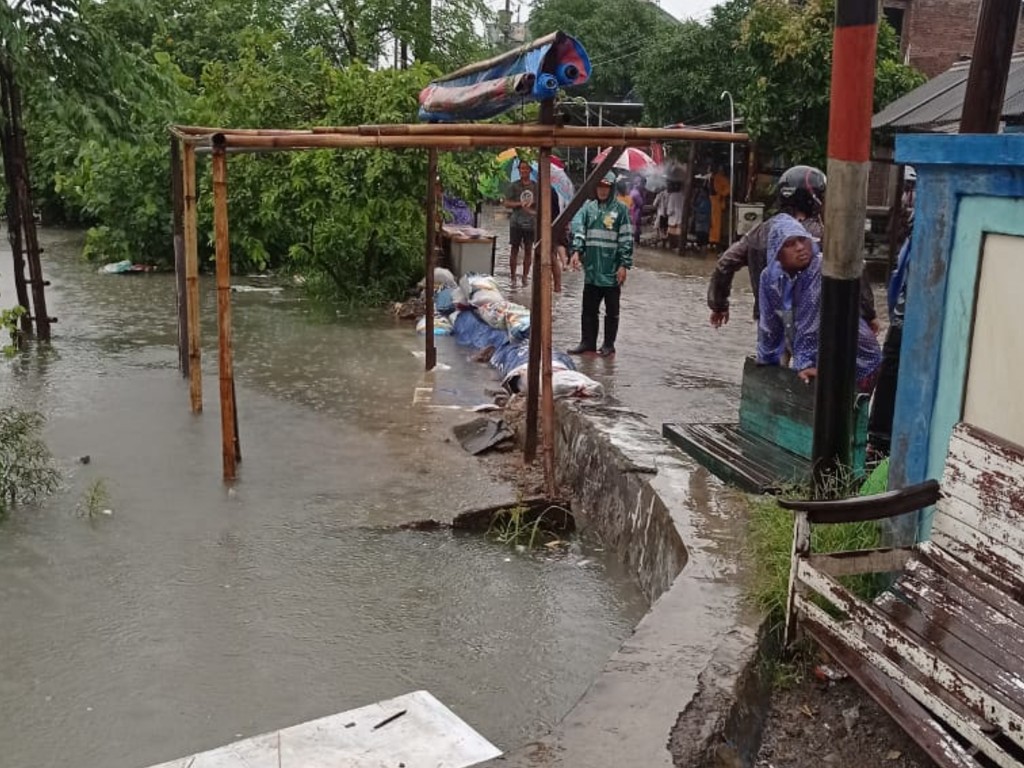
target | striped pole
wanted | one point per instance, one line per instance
(849, 153)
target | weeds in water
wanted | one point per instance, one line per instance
(517, 526)
(94, 501)
(27, 471)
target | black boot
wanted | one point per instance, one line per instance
(588, 336)
(611, 331)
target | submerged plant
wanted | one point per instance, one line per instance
(27, 471)
(94, 501)
(519, 526)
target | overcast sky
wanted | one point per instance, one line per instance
(681, 9)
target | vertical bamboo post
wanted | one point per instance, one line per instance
(223, 255)
(190, 227)
(533, 385)
(178, 229)
(431, 347)
(545, 277)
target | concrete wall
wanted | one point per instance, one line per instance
(668, 696)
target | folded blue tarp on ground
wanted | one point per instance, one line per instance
(471, 331)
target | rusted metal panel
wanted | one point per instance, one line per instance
(950, 637)
(987, 555)
(937, 668)
(966, 578)
(918, 722)
(848, 633)
(961, 605)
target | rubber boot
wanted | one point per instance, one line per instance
(588, 336)
(611, 331)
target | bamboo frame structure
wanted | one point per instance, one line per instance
(442, 136)
(228, 414)
(546, 278)
(191, 244)
(431, 345)
(433, 137)
(180, 286)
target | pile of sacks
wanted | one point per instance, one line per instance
(474, 310)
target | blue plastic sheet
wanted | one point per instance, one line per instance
(525, 75)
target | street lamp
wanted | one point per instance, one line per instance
(732, 159)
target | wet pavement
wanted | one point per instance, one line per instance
(195, 614)
(670, 364)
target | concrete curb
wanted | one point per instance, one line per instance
(682, 689)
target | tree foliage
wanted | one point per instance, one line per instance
(27, 471)
(786, 99)
(351, 221)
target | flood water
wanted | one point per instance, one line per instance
(194, 614)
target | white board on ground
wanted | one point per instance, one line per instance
(426, 735)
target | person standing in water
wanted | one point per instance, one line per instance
(603, 244)
(521, 199)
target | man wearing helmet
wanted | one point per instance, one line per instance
(801, 194)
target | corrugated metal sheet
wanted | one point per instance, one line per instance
(939, 102)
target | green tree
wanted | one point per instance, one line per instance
(785, 102)
(694, 63)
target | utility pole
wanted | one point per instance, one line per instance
(849, 154)
(990, 66)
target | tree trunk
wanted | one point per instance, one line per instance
(16, 158)
(13, 206)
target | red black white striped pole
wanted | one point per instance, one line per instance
(849, 154)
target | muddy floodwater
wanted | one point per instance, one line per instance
(192, 614)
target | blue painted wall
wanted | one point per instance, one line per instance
(951, 170)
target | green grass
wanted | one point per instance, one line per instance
(515, 527)
(94, 500)
(770, 542)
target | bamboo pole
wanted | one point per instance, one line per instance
(227, 372)
(431, 346)
(505, 130)
(426, 140)
(190, 228)
(533, 387)
(545, 277)
(177, 208)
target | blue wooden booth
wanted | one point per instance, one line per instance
(962, 356)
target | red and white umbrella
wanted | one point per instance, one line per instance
(632, 160)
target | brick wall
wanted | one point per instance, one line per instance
(939, 32)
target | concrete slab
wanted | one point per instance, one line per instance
(411, 731)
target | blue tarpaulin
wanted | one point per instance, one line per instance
(533, 72)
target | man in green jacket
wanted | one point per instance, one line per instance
(603, 242)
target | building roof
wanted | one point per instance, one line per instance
(939, 102)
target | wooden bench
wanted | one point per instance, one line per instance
(770, 447)
(942, 650)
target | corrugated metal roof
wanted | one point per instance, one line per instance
(940, 101)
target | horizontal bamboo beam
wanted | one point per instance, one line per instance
(522, 129)
(427, 141)
(447, 136)
(200, 130)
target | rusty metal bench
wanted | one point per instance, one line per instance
(942, 650)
